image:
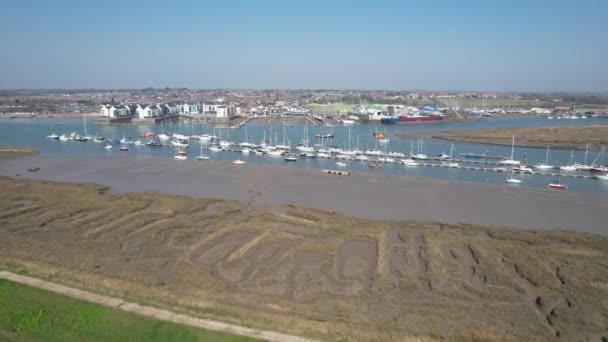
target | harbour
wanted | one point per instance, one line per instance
(470, 162)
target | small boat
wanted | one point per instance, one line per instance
(310, 155)
(153, 143)
(602, 177)
(178, 136)
(123, 148)
(409, 162)
(291, 158)
(163, 136)
(181, 155)
(511, 161)
(443, 156)
(374, 166)
(246, 150)
(202, 157)
(275, 153)
(139, 142)
(396, 155)
(523, 169)
(215, 149)
(472, 155)
(550, 117)
(238, 161)
(452, 163)
(373, 152)
(362, 157)
(324, 136)
(65, 137)
(383, 141)
(322, 155)
(99, 139)
(180, 143)
(500, 169)
(147, 135)
(53, 136)
(341, 164)
(125, 141)
(557, 186)
(108, 147)
(420, 156)
(512, 180)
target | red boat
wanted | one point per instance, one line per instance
(558, 186)
(123, 148)
(374, 166)
(147, 135)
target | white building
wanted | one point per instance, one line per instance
(115, 111)
(220, 110)
(190, 108)
(149, 111)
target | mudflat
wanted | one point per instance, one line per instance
(308, 271)
(564, 137)
(363, 195)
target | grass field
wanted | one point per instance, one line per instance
(29, 314)
(331, 108)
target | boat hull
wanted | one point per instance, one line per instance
(413, 120)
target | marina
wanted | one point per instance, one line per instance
(358, 148)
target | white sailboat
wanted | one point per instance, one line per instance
(452, 163)
(511, 161)
(572, 166)
(545, 165)
(419, 154)
(511, 179)
(202, 156)
(85, 136)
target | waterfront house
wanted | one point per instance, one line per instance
(149, 111)
(190, 108)
(170, 109)
(115, 111)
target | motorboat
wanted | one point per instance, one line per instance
(523, 169)
(65, 137)
(290, 158)
(53, 136)
(341, 164)
(179, 143)
(108, 147)
(238, 161)
(99, 139)
(153, 143)
(322, 155)
(163, 136)
(362, 157)
(123, 148)
(396, 155)
(374, 166)
(202, 157)
(181, 155)
(215, 149)
(409, 162)
(603, 177)
(139, 142)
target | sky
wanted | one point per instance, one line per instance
(482, 45)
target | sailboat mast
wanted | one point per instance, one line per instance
(586, 153)
(512, 147)
(547, 156)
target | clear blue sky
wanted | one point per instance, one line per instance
(502, 45)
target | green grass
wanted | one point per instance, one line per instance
(29, 314)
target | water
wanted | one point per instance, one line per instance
(32, 134)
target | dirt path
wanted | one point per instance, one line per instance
(150, 312)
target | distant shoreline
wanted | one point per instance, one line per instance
(557, 137)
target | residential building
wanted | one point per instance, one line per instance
(115, 111)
